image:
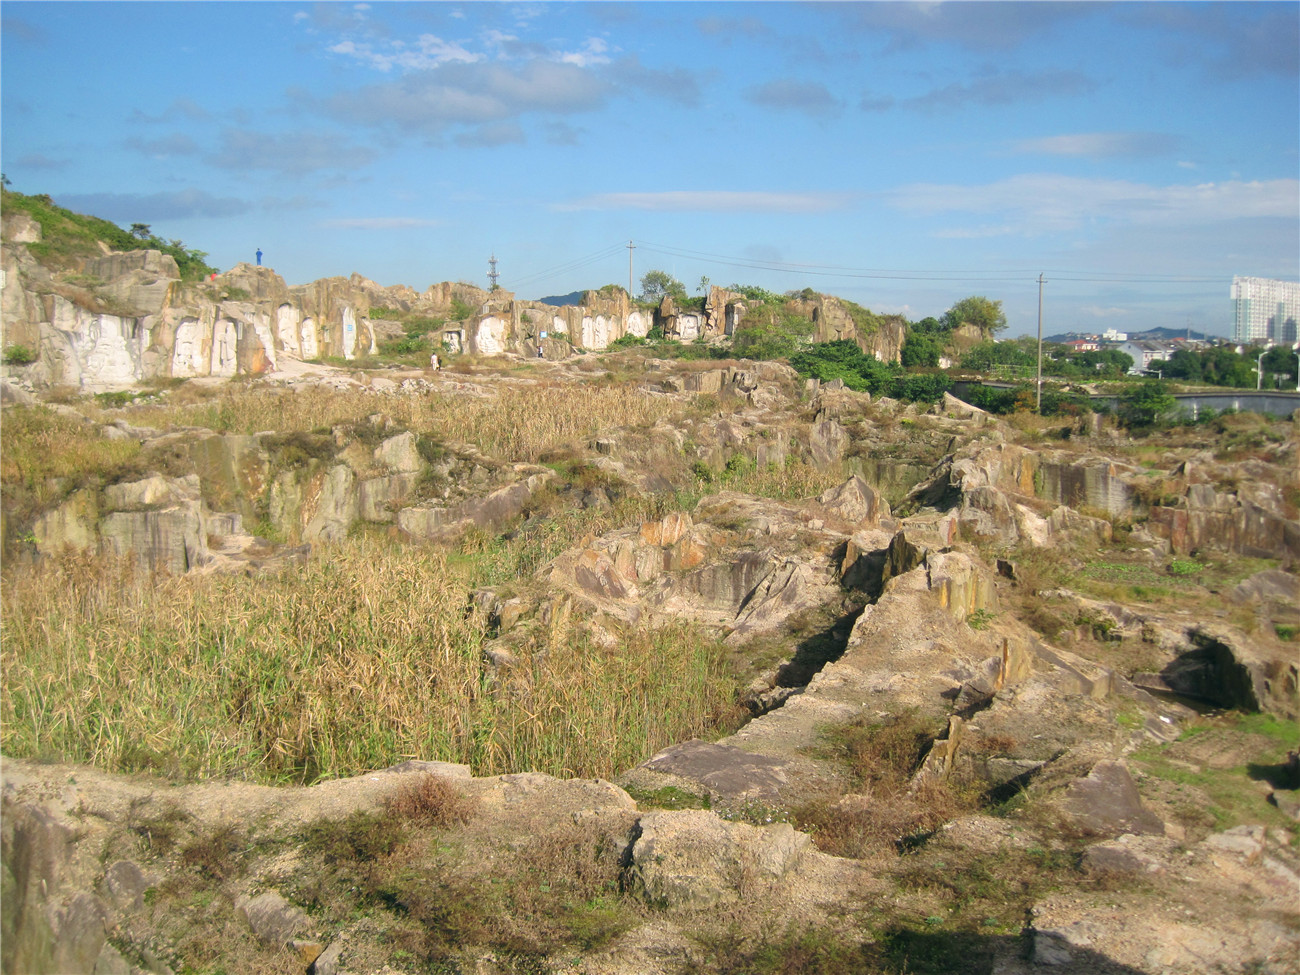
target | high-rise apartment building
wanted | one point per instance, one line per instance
(1264, 310)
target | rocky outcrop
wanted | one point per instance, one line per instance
(999, 492)
(158, 520)
(1249, 522)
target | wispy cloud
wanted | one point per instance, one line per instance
(16, 28)
(715, 201)
(291, 153)
(727, 29)
(676, 85)
(1035, 204)
(38, 160)
(1100, 145)
(1242, 41)
(790, 95)
(995, 87)
(994, 26)
(148, 207)
(180, 110)
(176, 144)
(470, 94)
(379, 223)
(491, 136)
(1096, 311)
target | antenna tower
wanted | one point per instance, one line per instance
(492, 271)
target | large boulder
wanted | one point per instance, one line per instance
(694, 859)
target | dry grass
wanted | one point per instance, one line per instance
(432, 891)
(518, 422)
(884, 811)
(46, 455)
(433, 801)
(365, 656)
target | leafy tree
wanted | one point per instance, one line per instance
(141, 231)
(929, 326)
(983, 313)
(920, 350)
(1220, 366)
(1146, 404)
(1184, 364)
(992, 399)
(926, 387)
(753, 292)
(986, 355)
(1112, 362)
(703, 287)
(656, 285)
(1280, 361)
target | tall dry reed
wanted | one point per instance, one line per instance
(365, 656)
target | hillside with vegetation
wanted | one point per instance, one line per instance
(68, 238)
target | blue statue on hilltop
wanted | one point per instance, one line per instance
(259, 257)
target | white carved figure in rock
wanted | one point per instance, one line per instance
(310, 340)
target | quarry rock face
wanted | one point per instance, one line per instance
(141, 321)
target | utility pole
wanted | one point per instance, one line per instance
(630, 248)
(492, 271)
(1038, 405)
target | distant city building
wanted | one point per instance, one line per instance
(1083, 345)
(1264, 310)
(1110, 335)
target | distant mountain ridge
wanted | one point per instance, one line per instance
(1161, 334)
(560, 301)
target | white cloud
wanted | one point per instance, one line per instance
(593, 52)
(715, 201)
(428, 51)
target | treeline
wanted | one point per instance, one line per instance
(1223, 366)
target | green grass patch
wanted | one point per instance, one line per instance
(1225, 758)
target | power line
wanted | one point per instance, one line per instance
(950, 275)
(573, 265)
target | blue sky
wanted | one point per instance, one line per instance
(900, 155)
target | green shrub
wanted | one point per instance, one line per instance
(1146, 404)
(628, 341)
(19, 355)
(923, 387)
(767, 333)
(843, 360)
